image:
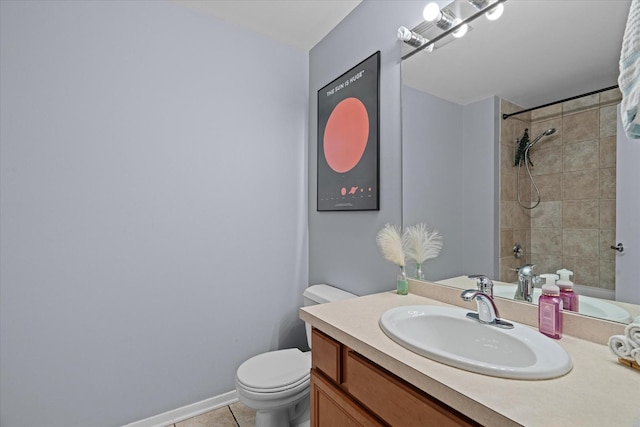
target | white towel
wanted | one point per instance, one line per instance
(629, 78)
(635, 354)
(621, 347)
(632, 333)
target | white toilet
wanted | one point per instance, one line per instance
(276, 383)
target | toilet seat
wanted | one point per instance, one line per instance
(275, 372)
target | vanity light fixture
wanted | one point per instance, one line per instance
(491, 15)
(448, 22)
(412, 38)
(444, 19)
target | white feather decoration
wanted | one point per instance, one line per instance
(422, 243)
(390, 243)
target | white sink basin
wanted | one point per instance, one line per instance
(446, 335)
(588, 306)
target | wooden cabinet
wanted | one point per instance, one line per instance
(349, 390)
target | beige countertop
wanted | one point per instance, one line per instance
(597, 392)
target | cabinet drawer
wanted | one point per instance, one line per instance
(326, 355)
(394, 401)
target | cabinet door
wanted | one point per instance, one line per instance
(331, 407)
(395, 401)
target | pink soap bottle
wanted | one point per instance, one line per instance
(550, 312)
(568, 295)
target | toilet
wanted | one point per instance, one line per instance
(276, 383)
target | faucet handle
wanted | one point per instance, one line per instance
(485, 285)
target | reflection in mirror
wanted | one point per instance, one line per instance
(456, 142)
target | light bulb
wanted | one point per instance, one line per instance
(460, 32)
(495, 13)
(431, 12)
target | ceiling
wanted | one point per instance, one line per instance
(540, 50)
(300, 23)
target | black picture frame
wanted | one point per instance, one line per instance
(348, 140)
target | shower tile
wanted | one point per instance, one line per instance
(540, 126)
(581, 213)
(506, 266)
(507, 186)
(507, 157)
(506, 243)
(607, 239)
(607, 274)
(608, 146)
(550, 186)
(546, 241)
(546, 160)
(612, 96)
(547, 112)
(607, 214)
(569, 263)
(546, 263)
(580, 104)
(581, 243)
(608, 183)
(523, 236)
(521, 218)
(587, 271)
(506, 214)
(608, 120)
(580, 185)
(581, 156)
(547, 215)
(579, 127)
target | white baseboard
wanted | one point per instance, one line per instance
(189, 411)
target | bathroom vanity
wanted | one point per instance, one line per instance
(348, 389)
(361, 377)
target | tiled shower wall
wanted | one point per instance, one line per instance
(575, 170)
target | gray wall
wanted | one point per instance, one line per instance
(449, 155)
(153, 211)
(481, 189)
(342, 245)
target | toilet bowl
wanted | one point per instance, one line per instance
(276, 383)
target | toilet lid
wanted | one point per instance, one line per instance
(275, 369)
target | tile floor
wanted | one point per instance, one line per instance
(234, 415)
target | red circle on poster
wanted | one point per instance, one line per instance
(346, 135)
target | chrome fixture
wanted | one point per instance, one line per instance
(454, 20)
(526, 280)
(518, 252)
(412, 38)
(492, 14)
(444, 19)
(484, 284)
(525, 159)
(487, 310)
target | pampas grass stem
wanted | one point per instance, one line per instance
(390, 243)
(422, 243)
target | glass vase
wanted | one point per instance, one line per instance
(402, 283)
(419, 274)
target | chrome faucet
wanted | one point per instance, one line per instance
(487, 310)
(526, 280)
(485, 285)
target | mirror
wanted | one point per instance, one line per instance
(536, 53)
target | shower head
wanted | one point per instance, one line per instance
(547, 132)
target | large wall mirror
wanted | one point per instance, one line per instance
(459, 154)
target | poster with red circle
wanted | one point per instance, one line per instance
(348, 129)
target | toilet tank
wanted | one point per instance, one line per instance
(319, 294)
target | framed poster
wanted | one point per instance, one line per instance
(348, 146)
